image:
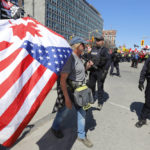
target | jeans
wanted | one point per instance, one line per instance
(62, 113)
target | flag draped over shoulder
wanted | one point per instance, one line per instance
(31, 57)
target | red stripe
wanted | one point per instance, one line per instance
(6, 62)
(32, 111)
(4, 45)
(15, 75)
(12, 110)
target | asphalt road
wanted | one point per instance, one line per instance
(112, 128)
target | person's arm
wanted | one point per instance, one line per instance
(63, 80)
(108, 60)
(143, 72)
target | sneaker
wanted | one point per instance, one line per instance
(86, 142)
(57, 133)
(140, 123)
(99, 106)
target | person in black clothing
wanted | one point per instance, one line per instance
(101, 58)
(115, 58)
(145, 74)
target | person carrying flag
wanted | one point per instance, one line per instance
(73, 70)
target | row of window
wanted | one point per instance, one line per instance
(67, 19)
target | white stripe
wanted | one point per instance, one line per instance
(7, 52)
(12, 93)
(50, 39)
(8, 131)
(119, 106)
(6, 72)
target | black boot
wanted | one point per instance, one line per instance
(140, 123)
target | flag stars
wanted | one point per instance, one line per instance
(48, 57)
(49, 64)
(32, 51)
(57, 69)
(46, 52)
(62, 62)
(40, 51)
(59, 50)
(55, 56)
(64, 51)
(56, 62)
(61, 56)
(53, 50)
(41, 58)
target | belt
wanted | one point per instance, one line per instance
(75, 84)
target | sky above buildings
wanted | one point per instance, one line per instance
(131, 19)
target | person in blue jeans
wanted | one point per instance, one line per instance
(73, 70)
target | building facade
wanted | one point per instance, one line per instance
(66, 17)
(110, 37)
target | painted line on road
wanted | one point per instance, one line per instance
(124, 107)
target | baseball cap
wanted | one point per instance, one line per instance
(77, 40)
(99, 37)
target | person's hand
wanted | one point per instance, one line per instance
(141, 86)
(89, 64)
(68, 103)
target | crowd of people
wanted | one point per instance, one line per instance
(73, 89)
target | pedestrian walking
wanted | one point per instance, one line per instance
(115, 59)
(101, 58)
(145, 74)
(73, 71)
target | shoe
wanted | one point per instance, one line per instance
(86, 142)
(99, 106)
(140, 123)
(58, 133)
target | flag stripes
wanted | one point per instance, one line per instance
(26, 80)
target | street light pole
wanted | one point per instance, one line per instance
(96, 30)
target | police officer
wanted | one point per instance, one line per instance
(115, 58)
(145, 74)
(101, 59)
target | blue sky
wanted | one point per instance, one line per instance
(131, 19)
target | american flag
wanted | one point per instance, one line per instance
(31, 58)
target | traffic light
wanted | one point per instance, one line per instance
(92, 38)
(142, 42)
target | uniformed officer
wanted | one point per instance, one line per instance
(145, 74)
(115, 58)
(101, 58)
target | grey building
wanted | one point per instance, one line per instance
(66, 17)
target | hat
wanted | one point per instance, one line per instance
(77, 40)
(99, 37)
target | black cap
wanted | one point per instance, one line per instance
(100, 38)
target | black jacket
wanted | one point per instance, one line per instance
(145, 72)
(101, 57)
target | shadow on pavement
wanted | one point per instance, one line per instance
(23, 135)
(136, 107)
(69, 128)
